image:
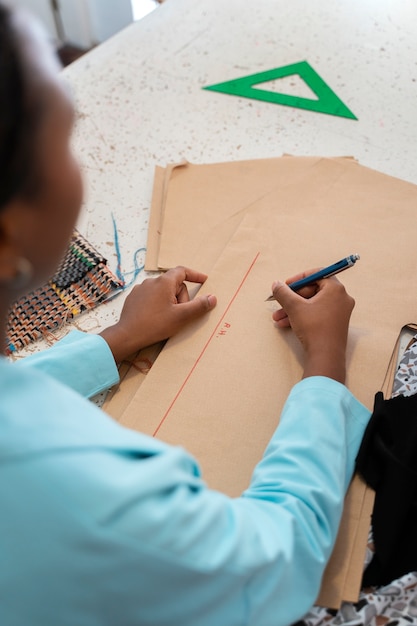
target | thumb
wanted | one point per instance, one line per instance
(283, 294)
(197, 307)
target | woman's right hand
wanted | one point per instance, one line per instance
(319, 315)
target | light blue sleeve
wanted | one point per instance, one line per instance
(190, 555)
(80, 360)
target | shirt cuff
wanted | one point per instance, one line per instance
(80, 360)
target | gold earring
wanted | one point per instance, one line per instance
(24, 273)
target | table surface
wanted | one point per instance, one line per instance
(140, 101)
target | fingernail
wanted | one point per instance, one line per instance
(275, 284)
(212, 300)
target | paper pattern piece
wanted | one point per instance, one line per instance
(221, 386)
(221, 383)
(248, 87)
(161, 180)
(204, 204)
(132, 374)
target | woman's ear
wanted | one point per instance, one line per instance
(8, 253)
(13, 264)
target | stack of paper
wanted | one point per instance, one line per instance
(218, 387)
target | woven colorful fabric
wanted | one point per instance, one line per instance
(81, 282)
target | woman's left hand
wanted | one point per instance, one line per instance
(156, 310)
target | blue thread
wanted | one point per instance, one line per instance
(137, 268)
(119, 273)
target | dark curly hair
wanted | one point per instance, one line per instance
(19, 115)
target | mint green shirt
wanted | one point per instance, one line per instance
(102, 526)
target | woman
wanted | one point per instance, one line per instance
(101, 525)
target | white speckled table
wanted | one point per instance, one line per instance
(141, 102)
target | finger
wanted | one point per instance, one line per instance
(279, 315)
(195, 277)
(284, 323)
(309, 291)
(281, 318)
(182, 294)
(284, 295)
(195, 308)
(185, 273)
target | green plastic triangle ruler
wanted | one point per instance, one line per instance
(327, 101)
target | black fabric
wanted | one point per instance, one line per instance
(387, 460)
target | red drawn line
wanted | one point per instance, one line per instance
(177, 395)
